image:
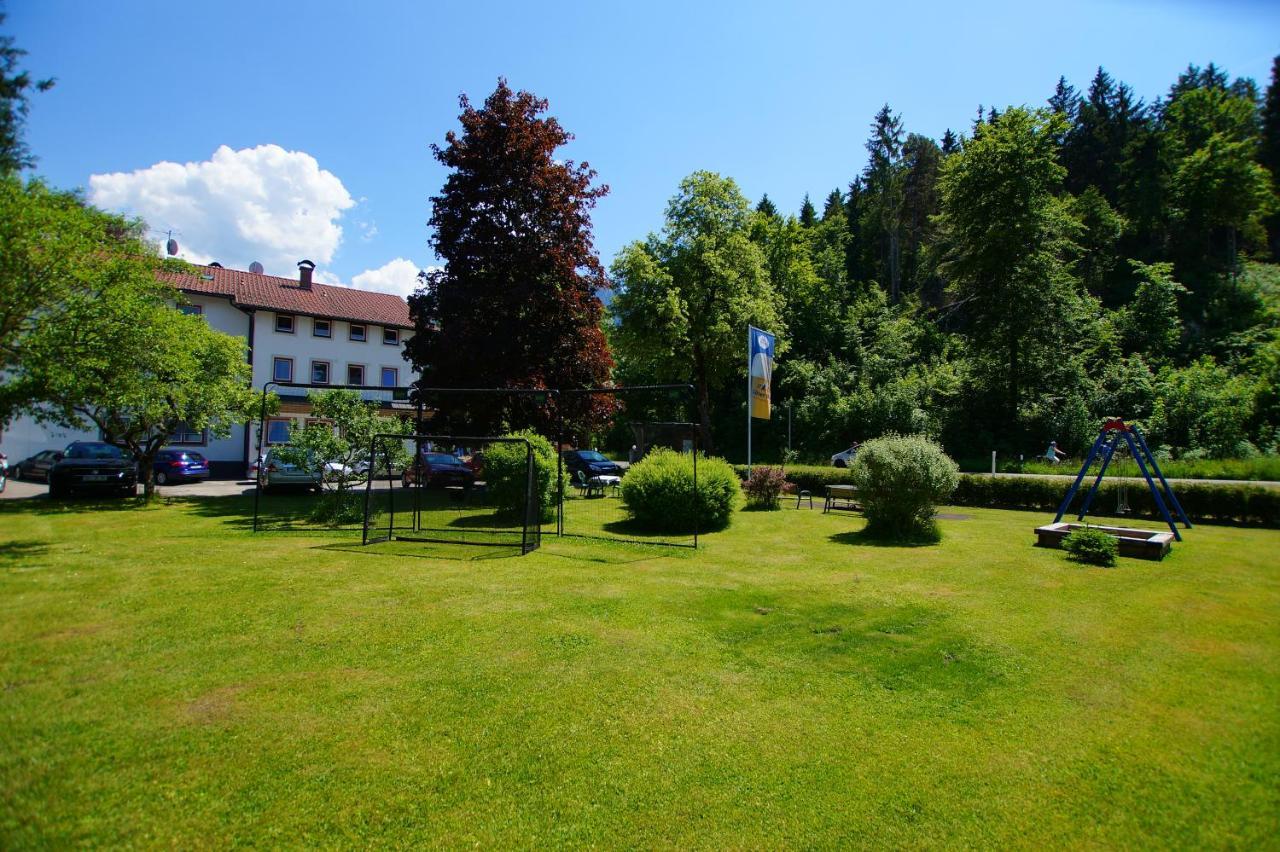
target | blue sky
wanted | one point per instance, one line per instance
(778, 96)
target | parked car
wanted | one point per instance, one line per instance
(175, 465)
(36, 467)
(282, 474)
(438, 470)
(590, 463)
(92, 466)
(845, 458)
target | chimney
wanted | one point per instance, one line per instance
(305, 268)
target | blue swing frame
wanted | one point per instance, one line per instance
(1108, 440)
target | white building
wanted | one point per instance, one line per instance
(296, 331)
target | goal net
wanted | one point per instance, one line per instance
(484, 491)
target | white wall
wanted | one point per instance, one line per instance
(303, 346)
(25, 437)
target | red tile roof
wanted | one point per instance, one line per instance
(286, 295)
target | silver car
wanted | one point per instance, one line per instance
(280, 473)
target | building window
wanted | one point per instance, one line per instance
(355, 374)
(282, 369)
(320, 372)
(184, 434)
(278, 431)
(284, 323)
(390, 377)
(357, 332)
(193, 310)
(321, 328)
(391, 336)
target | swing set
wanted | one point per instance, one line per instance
(1116, 436)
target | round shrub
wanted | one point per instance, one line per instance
(764, 486)
(901, 479)
(658, 492)
(505, 472)
(1092, 546)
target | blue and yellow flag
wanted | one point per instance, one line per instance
(760, 347)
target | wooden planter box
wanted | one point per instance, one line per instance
(1138, 544)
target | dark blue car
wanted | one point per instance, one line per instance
(173, 465)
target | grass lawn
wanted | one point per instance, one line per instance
(169, 679)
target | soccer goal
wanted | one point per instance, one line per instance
(470, 490)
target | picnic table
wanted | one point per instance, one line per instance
(841, 497)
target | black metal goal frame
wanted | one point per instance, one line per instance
(262, 425)
(531, 523)
(417, 392)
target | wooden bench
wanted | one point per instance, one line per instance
(841, 497)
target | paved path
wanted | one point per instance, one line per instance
(1138, 480)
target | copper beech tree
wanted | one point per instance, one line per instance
(515, 305)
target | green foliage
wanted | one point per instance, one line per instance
(1250, 505)
(685, 297)
(658, 492)
(1092, 546)
(14, 88)
(901, 479)
(506, 471)
(764, 486)
(338, 509)
(1202, 406)
(339, 436)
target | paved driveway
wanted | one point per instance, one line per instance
(209, 488)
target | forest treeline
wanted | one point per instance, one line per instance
(997, 288)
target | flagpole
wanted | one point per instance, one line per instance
(749, 401)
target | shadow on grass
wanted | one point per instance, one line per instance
(863, 538)
(41, 504)
(14, 551)
(444, 551)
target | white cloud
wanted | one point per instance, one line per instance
(399, 276)
(262, 203)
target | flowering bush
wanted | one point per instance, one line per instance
(764, 486)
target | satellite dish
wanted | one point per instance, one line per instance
(171, 247)
(255, 268)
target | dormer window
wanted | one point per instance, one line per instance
(321, 328)
(391, 336)
(284, 323)
(358, 332)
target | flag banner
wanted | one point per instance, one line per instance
(761, 361)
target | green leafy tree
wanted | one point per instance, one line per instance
(1150, 324)
(516, 303)
(59, 257)
(336, 443)
(137, 369)
(685, 297)
(89, 334)
(1101, 230)
(1007, 238)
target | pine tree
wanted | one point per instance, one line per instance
(515, 305)
(834, 205)
(14, 86)
(950, 144)
(883, 178)
(767, 207)
(1269, 150)
(808, 214)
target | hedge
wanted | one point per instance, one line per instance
(1250, 505)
